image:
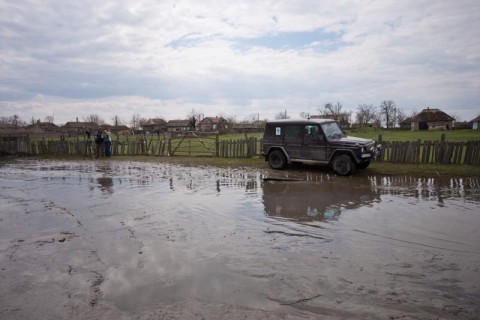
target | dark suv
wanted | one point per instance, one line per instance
(315, 141)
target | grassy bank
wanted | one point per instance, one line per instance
(424, 135)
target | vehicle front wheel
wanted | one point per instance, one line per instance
(277, 160)
(343, 165)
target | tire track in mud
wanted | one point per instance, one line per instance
(138, 243)
(94, 278)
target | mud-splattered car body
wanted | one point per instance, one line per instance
(315, 141)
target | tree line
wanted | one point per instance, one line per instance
(387, 114)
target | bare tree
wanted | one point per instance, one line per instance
(13, 120)
(401, 116)
(231, 119)
(456, 117)
(330, 110)
(365, 114)
(95, 118)
(49, 119)
(282, 115)
(334, 111)
(388, 111)
(251, 118)
(117, 121)
(135, 121)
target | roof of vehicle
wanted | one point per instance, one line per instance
(300, 121)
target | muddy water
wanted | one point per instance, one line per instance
(129, 240)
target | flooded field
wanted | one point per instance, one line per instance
(131, 240)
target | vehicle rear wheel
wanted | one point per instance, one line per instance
(363, 165)
(277, 160)
(343, 165)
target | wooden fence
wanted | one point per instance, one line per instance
(429, 152)
(136, 147)
(432, 152)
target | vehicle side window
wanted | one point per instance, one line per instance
(293, 132)
(273, 131)
(312, 133)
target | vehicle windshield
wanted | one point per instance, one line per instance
(332, 130)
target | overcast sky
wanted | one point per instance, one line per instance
(69, 59)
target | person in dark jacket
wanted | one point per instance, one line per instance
(98, 143)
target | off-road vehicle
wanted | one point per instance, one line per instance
(315, 141)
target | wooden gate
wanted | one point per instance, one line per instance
(191, 143)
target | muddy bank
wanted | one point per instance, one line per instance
(131, 240)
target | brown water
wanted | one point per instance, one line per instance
(130, 240)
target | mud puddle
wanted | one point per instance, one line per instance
(134, 240)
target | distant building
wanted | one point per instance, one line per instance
(432, 119)
(79, 127)
(463, 125)
(178, 125)
(213, 124)
(42, 127)
(406, 124)
(155, 126)
(476, 123)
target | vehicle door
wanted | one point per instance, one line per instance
(292, 140)
(314, 145)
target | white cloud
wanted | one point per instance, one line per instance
(166, 57)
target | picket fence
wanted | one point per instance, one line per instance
(428, 152)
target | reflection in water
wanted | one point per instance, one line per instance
(310, 201)
(306, 201)
(106, 184)
(429, 189)
(170, 233)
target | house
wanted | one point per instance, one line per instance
(406, 124)
(213, 124)
(117, 129)
(245, 127)
(42, 127)
(178, 125)
(78, 127)
(463, 125)
(432, 119)
(476, 123)
(156, 125)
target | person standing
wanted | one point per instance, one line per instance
(107, 140)
(98, 143)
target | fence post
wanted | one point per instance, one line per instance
(380, 142)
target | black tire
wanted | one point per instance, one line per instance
(343, 165)
(363, 165)
(277, 160)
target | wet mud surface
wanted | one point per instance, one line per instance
(127, 240)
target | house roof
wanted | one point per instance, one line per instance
(178, 123)
(477, 119)
(80, 125)
(407, 121)
(156, 121)
(432, 115)
(214, 120)
(43, 125)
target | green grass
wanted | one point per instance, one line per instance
(369, 133)
(407, 135)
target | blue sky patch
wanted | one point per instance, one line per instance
(325, 41)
